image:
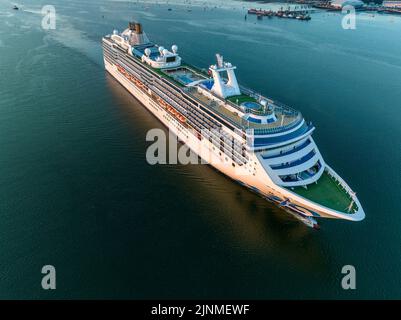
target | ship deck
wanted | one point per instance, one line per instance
(328, 193)
(284, 117)
(184, 75)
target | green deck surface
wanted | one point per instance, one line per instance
(326, 192)
(165, 75)
(241, 99)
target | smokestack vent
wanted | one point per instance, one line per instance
(136, 27)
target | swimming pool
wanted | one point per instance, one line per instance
(208, 84)
(251, 105)
(183, 75)
(185, 79)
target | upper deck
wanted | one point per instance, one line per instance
(216, 89)
(240, 110)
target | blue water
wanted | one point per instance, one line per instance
(76, 191)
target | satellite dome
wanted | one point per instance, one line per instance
(148, 52)
(161, 49)
(165, 52)
(174, 48)
(115, 32)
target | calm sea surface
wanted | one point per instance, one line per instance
(76, 191)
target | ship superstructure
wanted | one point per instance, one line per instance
(260, 143)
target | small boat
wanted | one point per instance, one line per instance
(15, 7)
(306, 220)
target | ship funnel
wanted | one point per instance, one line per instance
(221, 87)
(136, 27)
(135, 34)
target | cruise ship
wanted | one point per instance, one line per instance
(260, 143)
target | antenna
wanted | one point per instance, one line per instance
(219, 60)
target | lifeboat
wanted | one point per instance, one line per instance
(181, 118)
(131, 78)
(171, 110)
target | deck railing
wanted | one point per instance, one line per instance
(344, 185)
(263, 131)
(260, 97)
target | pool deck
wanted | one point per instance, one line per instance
(184, 75)
(283, 119)
(283, 115)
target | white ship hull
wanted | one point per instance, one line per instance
(260, 183)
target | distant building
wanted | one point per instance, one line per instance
(343, 3)
(392, 4)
